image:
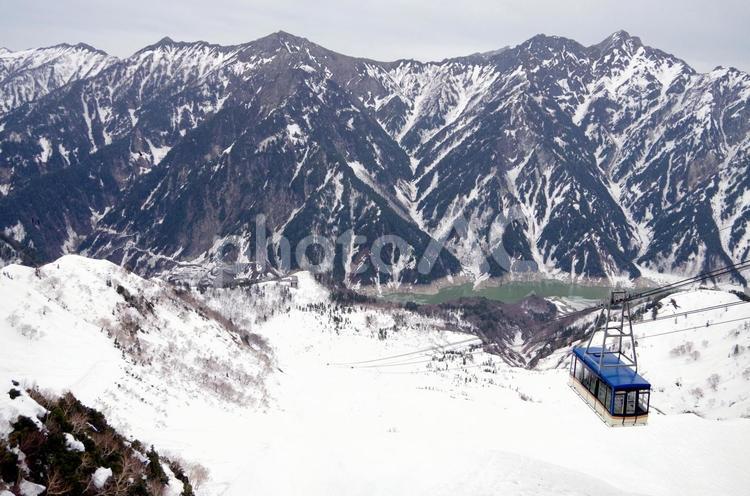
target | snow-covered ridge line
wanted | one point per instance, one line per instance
(599, 148)
(28, 75)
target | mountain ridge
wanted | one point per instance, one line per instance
(593, 147)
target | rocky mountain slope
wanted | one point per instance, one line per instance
(610, 160)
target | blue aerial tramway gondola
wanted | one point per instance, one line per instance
(606, 377)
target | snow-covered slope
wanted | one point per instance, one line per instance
(131, 348)
(705, 369)
(463, 423)
(697, 360)
(343, 418)
(21, 406)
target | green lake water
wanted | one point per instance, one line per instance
(509, 293)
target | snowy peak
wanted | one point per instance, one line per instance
(36, 57)
(27, 75)
(619, 40)
(286, 45)
(284, 37)
(81, 47)
(164, 41)
(170, 64)
(168, 45)
(542, 43)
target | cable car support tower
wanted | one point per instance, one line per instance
(617, 339)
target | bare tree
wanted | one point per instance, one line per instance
(108, 443)
(713, 381)
(56, 483)
(119, 484)
(196, 473)
(156, 488)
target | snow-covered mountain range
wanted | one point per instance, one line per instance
(610, 160)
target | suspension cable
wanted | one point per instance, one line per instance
(416, 352)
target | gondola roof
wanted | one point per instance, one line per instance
(616, 377)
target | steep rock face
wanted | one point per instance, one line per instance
(511, 153)
(98, 136)
(141, 105)
(671, 141)
(288, 144)
(620, 105)
(597, 161)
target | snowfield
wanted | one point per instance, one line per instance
(711, 363)
(129, 347)
(299, 416)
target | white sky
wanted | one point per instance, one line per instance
(705, 34)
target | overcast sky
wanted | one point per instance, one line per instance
(704, 33)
